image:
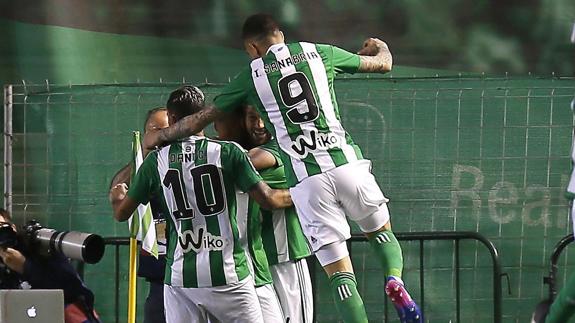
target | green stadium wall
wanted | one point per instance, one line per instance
(486, 154)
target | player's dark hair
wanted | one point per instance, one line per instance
(6, 215)
(259, 26)
(185, 101)
(150, 113)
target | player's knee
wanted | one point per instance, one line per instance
(334, 257)
(375, 222)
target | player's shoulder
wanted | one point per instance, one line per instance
(227, 145)
(270, 146)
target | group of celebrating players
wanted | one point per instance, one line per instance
(243, 211)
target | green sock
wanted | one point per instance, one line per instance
(388, 251)
(347, 299)
(564, 305)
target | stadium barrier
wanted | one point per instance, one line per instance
(551, 280)
(421, 237)
(456, 237)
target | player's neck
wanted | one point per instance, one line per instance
(271, 41)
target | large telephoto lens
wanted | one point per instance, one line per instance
(86, 247)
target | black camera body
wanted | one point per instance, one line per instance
(86, 247)
(8, 237)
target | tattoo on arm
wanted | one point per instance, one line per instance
(190, 125)
(380, 63)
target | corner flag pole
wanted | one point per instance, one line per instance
(134, 229)
(132, 280)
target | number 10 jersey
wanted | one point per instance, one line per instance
(292, 89)
(197, 180)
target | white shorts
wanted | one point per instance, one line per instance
(270, 304)
(323, 201)
(231, 303)
(293, 286)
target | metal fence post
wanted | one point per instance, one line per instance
(8, 148)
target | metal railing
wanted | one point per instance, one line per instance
(455, 236)
(551, 280)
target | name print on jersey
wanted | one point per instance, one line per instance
(199, 238)
(292, 60)
(303, 144)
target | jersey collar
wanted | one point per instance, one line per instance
(275, 47)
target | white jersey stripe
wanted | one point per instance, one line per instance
(281, 234)
(203, 266)
(203, 274)
(177, 267)
(268, 100)
(322, 157)
(242, 221)
(322, 87)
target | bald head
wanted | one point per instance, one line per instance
(156, 118)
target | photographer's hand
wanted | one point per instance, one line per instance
(13, 258)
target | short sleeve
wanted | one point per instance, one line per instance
(245, 174)
(146, 180)
(235, 93)
(272, 147)
(341, 60)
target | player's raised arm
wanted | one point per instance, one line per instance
(185, 127)
(375, 57)
(269, 198)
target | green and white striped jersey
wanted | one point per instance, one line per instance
(198, 179)
(282, 234)
(254, 246)
(292, 89)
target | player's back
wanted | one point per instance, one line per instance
(198, 178)
(294, 93)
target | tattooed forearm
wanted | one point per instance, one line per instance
(189, 125)
(380, 60)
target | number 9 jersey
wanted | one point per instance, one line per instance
(198, 179)
(292, 89)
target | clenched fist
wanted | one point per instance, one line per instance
(372, 46)
(118, 193)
